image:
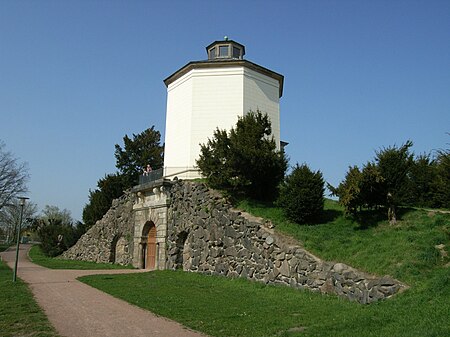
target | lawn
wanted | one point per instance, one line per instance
(36, 256)
(19, 313)
(236, 307)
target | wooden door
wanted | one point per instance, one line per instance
(151, 248)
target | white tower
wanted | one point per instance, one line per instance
(210, 94)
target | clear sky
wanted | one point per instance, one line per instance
(76, 76)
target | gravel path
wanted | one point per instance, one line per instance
(77, 310)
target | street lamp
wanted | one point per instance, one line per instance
(22, 204)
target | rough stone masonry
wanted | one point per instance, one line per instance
(206, 235)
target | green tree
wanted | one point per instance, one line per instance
(245, 160)
(138, 151)
(371, 185)
(441, 183)
(394, 164)
(349, 190)
(56, 230)
(109, 188)
(422, 175)
(301, 195)
(56, 237)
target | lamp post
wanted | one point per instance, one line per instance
(22, 204)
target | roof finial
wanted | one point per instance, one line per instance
(225, 38)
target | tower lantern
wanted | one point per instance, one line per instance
(227, 49)
(205, 95)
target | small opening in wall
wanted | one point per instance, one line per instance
(180, 242)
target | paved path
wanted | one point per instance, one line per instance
(77, 310)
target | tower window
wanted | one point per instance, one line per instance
(212, 53)
(223, 51)
(236, 53)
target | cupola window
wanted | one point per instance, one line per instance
(223, 51)
(236, 52)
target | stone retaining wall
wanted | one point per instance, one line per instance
(206, 235)
(110, 239)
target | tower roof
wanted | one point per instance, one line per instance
(225, 54)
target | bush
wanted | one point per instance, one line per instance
(56, 237)
(244, 161)
(301, 195)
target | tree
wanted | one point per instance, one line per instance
(13, 176)
(371, 185)
(10, 217)
(441, 183)
(56, 237)
(301, 195)
(109, 188)
(53, 213)
(245, 160)
(56, 230)
(422, 175)
(394, 164)
(142, 149)
(138, 151)
(349, 190)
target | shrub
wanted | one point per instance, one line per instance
(246, 160)
(301, 195)
(56, 237)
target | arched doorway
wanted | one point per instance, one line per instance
(151, 249)
(149, 246)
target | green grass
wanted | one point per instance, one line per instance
(405, 251)
(36, 256)
(19, 313)
(236, 307)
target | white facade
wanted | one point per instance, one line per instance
(207, 95)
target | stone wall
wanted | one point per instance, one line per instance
(110, 240)
(205, 234)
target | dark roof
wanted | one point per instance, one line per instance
(225, 63)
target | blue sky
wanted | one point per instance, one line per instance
(76, 76)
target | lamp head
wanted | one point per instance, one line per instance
(22, 200)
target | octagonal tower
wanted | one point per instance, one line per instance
(213, 93)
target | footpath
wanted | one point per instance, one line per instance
(78, 310)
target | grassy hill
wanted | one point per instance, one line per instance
(409, 251)
(415, 251)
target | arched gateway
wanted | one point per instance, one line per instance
(150, 225)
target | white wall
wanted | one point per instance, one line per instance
(262, 92)
(217, 103)
(178, 123)
(204, 99)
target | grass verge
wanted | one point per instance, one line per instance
(36, 256)
(19, 313)
(236, 307)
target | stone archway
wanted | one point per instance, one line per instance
(149, 246)
(119, 250)
(182, 255)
